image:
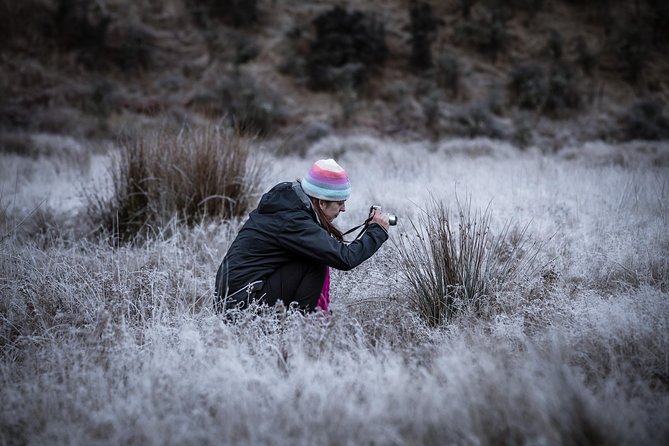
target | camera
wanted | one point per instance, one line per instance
(392, 219)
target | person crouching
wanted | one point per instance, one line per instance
(284, 250)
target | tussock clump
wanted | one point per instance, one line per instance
(449, 271)
(187, 175)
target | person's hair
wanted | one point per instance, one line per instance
(336, 233)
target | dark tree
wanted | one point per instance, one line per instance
(348, 47)
(422, 28)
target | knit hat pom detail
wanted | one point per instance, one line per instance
(327, 180)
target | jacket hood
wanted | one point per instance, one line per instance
(284, 196)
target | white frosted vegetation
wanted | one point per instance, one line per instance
(104, 345)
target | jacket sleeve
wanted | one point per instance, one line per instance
(306, 238)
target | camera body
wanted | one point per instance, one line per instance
(392, 219)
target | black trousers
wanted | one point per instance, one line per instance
(296, 281)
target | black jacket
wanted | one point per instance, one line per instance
(283, 228)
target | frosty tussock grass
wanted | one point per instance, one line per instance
(450, 271)
(103, 344)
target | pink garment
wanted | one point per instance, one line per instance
(324, 299)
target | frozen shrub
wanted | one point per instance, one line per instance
(451, 266)
(645, 119)
(347, 49)
(190, 175)
(422, 26)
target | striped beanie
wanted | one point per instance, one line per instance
(326, 180)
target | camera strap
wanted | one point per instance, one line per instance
(362, 231)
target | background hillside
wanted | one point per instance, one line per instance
(534, 72)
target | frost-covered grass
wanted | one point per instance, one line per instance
(107, 345)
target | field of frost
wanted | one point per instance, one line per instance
(117, 344)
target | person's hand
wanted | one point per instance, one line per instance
(380, 219)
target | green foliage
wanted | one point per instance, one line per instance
(453, 267)
(645, 119)
(190, 175)
(347, 49)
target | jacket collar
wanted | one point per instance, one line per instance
(304, 198)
